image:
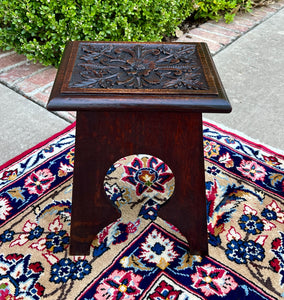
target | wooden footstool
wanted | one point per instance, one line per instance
(134, 98)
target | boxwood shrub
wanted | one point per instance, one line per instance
(215, 10)
(40, 28)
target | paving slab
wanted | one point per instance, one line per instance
(251, 70)
(24, 124)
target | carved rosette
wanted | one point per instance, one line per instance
(138, 66)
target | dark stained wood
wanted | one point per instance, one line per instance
(187, 81)
(91, 210)
(138, 98)
(174, 138)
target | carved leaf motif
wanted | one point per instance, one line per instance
(138, 66)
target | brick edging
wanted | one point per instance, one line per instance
(219, 35)
(34, 81)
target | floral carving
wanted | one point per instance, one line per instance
(137, 66)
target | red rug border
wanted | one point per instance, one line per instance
(248, 140)
(39, 145)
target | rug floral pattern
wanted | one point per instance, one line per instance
(141, 256)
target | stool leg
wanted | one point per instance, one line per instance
(187, 209)
(91, 211)
(177, 139)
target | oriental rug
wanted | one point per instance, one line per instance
(141, 256)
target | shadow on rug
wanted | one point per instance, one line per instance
(141, 256)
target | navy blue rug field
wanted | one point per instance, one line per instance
(141, 256)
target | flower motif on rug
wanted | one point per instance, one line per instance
(241, 251)
(277, 263)
(9, 174)
(213, 281)
(57, 241)
(66, 269)
(252, 170)
(19, 277)
(38, 182)
(251, 224)
(272, 212)
(64, 169)
(70, 156)
(5, 208)
(271, 160)
(165, 292)
(147, 174)
(158, 250)
(213, 170)
(227, 160)
(31, 231)
(7, 236)
(211, 149)
(62, 270)
(82, 268)
(119, 285)
(245, 250)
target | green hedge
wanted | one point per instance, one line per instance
(41, 28)
(216, 9)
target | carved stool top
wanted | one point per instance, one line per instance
(138, 76)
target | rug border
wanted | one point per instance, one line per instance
(242, 136)
(239, 135)
(39, 145)
(258, 288)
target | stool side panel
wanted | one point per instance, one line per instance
(106, 137)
